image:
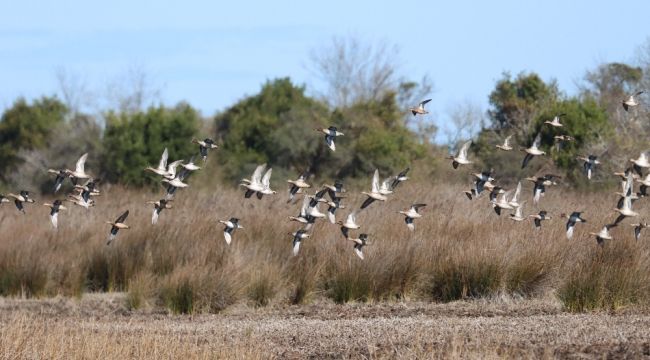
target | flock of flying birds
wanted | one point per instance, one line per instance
(501, 199)
(260, 184)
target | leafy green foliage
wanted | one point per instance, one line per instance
(26, 127)
(133, 141)
(277, 125)
(520, 108)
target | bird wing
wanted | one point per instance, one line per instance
(352, 217)
(506, 142)
(122, 217)
(266, 180)
(515, 198)
(416, 207)
(462, 154)
(163, 160)
(171, 169)
(54, 217)
(305, 206)
(154, 216)
(375, 181)
(424, 102)
(537, 142)
(257, 174)
(79, 168)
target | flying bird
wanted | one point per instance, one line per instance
(330, 134)
(461, 157)
(298, 184)
(400, 178)
(58, 180)
(79, 171)
(162, 165)
(20, 199)
(518, 215)
(349, 224)
(411, 214)
(359, 243)
(574, 218)
(539, 217)
(333, 205)
(556, 121)
(158, 207)
(190, 165)
(298, 237)
(55, 207)
(533, 150)
(603, 234)
(255, 183)
(631, 101)
(506, 144)
(374, 193)
(637, 229)
(335, 190)
(231, 226)
(420, 108)
(589, 164)
(116, 226)
(205, 145)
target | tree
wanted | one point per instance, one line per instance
(515, 103)
(133, 141)
(26, 127)
(521, 106)
(277, 125)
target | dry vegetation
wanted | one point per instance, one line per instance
(461, 249)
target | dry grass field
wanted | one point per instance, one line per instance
(99, 326)
(466, 283)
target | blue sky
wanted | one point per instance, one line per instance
(213, 53)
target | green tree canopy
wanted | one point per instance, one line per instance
(277, 125)
(25, 127)
(521, 107)
(133, 141)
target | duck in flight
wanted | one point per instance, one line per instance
(640, 163)
(205, 145)
(349, 224)
(116, 226)
(506, 144)
(55, 207)
(330, 134)
(190, 165)
(461, 157)
(298, 184)
(298, 237)
(533, 150)
(603, 234)
(539, 217)
(401, 177)
(574, 218)
(589, 164)
(334, 205)
(420, 108)
(231, 226)
(631, 101)
(637, 229)
(255, 183)
(518, 215)
(158, 207)
(162, 165)
(58, 180)
(359, 243)
(556, 121)
(375, 193)
(335, 190)
(20, 199)
(79, 171)
(411, 214)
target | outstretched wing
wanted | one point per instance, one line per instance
(538, 141)
(81, 163)
(163, 160)
(506, 142)
(375, 181)
(463, 150)
(257, 174)
(122, 217)
(266, 181)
